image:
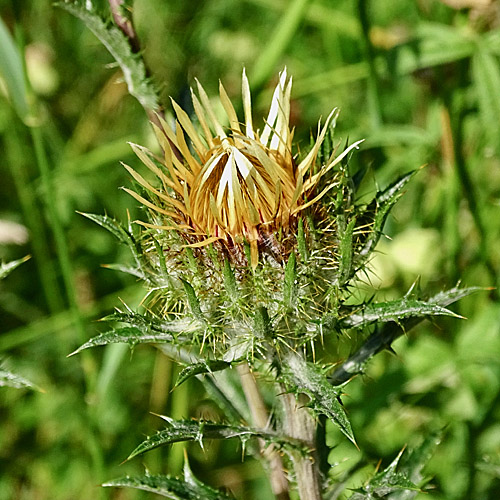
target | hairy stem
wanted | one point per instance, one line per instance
(260, 417)
(301, 424)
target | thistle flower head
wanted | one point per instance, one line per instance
(233, 184)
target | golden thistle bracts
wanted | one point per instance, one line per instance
(234, 184)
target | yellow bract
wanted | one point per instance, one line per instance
(233, 184)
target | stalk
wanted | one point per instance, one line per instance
(300, 424)
(260, 417)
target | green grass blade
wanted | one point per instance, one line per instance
(276, 45)
(12, 72)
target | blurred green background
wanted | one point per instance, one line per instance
(420, 80)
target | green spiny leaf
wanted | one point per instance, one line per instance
(119, 232)
(384, 337)
(395, 310)
(190, 430)
(10, 379)
(303, 377)
(384, 202)
(134, 71)
(133, 336)
(208, 366)
(7, 267)
(388, 481)
(169, 487)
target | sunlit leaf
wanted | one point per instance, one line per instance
(307, 378)
(10, 379)
(208, 366)
(131, 335)
(383, 337)
(7, 267)
(395, 310)
(191, 430)
(169, 487)
(134, 71)
(388, 481)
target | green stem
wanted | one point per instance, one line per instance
(260, 417)
(301, 424)
(374, 107)
(33, 220)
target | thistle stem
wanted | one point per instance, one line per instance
(260, 417)
(300, 424)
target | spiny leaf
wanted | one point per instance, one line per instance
(122, 235)
(395, 310)
(133, 271)
(7, 267)
(384, 202)
(388, 481)
(130, 335)
(134, 71)
(169, 487)
(414, 461)
(208, 366)
(191, 430)
(152, 322)
(301, 376)
(384, 337)
(10, 379)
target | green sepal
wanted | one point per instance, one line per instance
(208, 366)
(191, 430)
(193, 301)
(262, 323)
(230, 281)
(346, 253)
(301, 241)
(303, 377)
(289, 286)
(170, 487)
